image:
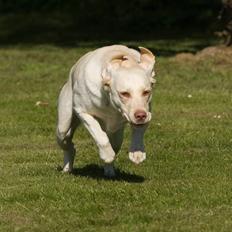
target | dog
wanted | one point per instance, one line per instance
(107, 88)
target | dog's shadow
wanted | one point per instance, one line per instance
(96, 172)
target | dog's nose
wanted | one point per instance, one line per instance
(140, 115)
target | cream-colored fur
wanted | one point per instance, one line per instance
(107, 88)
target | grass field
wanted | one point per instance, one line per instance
(184, 185)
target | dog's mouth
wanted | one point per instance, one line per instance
(134, 124)
(138, 125)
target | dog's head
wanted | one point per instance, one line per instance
(129, 84)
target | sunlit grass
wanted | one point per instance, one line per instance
(184, 185)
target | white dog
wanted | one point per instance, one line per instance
(107, 88)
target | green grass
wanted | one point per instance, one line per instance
(184, 185)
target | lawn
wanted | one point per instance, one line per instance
(184, 185)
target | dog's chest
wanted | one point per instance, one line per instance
(114, 125)
(110, 121)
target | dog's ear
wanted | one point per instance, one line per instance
(107, 72)
(147, 60)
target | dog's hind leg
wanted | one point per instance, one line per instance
(67, 123)
(67, 145)
(116, 140)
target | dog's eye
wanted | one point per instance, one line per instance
(146, 93)
(125, 94)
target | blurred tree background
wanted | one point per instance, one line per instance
(59, 21)
(225, 16)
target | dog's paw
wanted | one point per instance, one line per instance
(109, 171)
(67, 169)
(107, 154)
(137, 156)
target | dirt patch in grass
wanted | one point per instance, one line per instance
(221, 55)
(15, 220)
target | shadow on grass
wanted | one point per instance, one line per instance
(96, 172)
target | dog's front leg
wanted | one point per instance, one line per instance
(106, 152)
(137, 151)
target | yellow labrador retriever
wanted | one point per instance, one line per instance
(107, 88)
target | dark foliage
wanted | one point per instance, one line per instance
(225, 17)
(68, 20)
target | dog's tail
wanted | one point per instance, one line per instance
(65, 108)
